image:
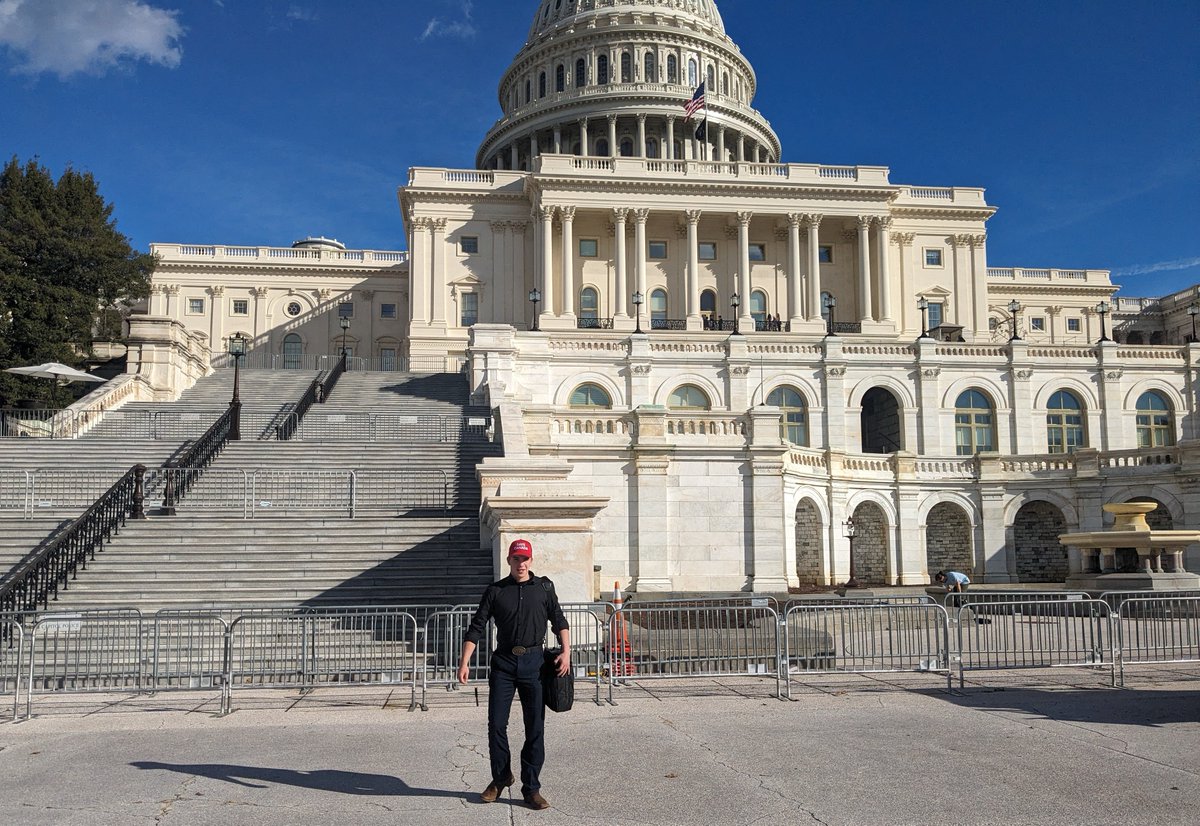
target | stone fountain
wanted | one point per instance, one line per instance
(1159, 554)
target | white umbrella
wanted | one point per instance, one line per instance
(54, 370)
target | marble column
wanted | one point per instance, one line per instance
(883, 228)
(419, 273)
(546, 214)
(516, 161)
(693, 273)
(557, 140)
(622, 288)
(865, 308)
(612, 136)
(741, 147)
(813, 223)
(720, 143)
(567, 214)
(640, 217)
(584, 149)
(670, 153)
(641, 135)
(795, 308)
(744, 284)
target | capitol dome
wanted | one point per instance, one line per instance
(609, 78)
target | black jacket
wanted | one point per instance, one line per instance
(520, 610)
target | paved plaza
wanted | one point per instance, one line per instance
(1046, 747)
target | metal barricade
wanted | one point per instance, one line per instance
(682, 641)
(272, 491)
(212, 490)
(866, 638)
(733, 601)
(190, 651)
(268, 649)
(362, 647)
(1157, 629)
(981, 600)
(397, 494)
(415, 428)
(115, 424)
(444, 632)
(12, 657)
(59, 489)
(15, 492)
(853, 599)
(589, 623)
(1116, 598)
(18, 423)
(86, 651)
(1035, 634)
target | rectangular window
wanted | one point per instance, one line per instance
(469, 244)
(469, 304)
(346, 309)
(933, 257)
(387, 310)
(935, 315)
(1074, 325)
(241, 306)
(657, 251)
(825, 254)
(758, 252)
(588, 247)
(195, 306)
(708, 251)
(1037, 324)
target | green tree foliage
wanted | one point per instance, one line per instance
(64, 270)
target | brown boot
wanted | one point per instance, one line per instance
(534, 800)
(492, 793)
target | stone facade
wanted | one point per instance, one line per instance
(948, 540)
(1040, 556)
(809, 547)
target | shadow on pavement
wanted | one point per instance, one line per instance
(325, 780)
(1116, 707)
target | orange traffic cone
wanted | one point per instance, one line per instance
(620, 649)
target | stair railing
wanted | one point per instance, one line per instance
(316, 393)
(182, 472)
(39, 579)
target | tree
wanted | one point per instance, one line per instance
(64, 268)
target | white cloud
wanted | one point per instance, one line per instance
(1161, 266)
(302, 14)
(461, 29)
(67, 37)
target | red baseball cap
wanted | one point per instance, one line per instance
(521, 547)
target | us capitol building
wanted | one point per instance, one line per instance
(706, 361)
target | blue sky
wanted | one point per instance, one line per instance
(262, 121)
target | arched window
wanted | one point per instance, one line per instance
(626, 147)
(712, 79)
(689, 397)
(758, 307)
(589, 303)
(794, 425)
(650, 68)
(591, 396)
(602, 148)
(708, 304)
(693, 72)
(658, 309)
(725, 83)
(293, 351)
(580, 73)
(602, 69)
(974, 424)
(651, 147)
(672, 69)
(626, 67)
(560, 78)
(528, 94)
(1064, 423)
(542, 85)
(1155, 425)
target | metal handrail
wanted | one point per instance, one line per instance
(39, 579)
(182, 473)
(315, 393)
(332, 379)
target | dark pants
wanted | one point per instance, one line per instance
(513, 674)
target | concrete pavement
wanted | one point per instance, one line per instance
(1031, 748)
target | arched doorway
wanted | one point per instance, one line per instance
(293, 351)
(948, 544)
(809, 545)
(870, 544)
(1040, 556)
(880, 422)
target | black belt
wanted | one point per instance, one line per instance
(524, 649)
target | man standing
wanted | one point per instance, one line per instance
(521, 605)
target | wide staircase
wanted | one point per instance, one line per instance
(373, 503)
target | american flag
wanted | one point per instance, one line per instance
(693, 106)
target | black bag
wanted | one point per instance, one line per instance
(558, 693)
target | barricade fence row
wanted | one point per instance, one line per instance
(418, 647)
(393, 427)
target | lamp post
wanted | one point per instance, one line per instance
(1192, 310)
(535, 298)
(831, 305)
(638, 298)
(735, 301)
(1014, 308)
(345, 325)
(850, 530)
(923, 306)
(1103, 309)
(237, 349)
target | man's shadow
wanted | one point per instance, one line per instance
(325, 780)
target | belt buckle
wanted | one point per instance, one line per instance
(519, 650)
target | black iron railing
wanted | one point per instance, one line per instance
(668, 324)
(767, 325)
(332, 379)
(316, 393)
(594, 324)
(182, 473)
(846, 327)
(39, 579)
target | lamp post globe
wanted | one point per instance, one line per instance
(831, 305)
(1103, 309)
(535, 298)
(1014, 309)
(923, 306)
(237, 349)
(638, 299)
(344, 322)
(850, 530)
(735, 301)
(1192, 310)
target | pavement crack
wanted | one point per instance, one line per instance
(167, 805)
